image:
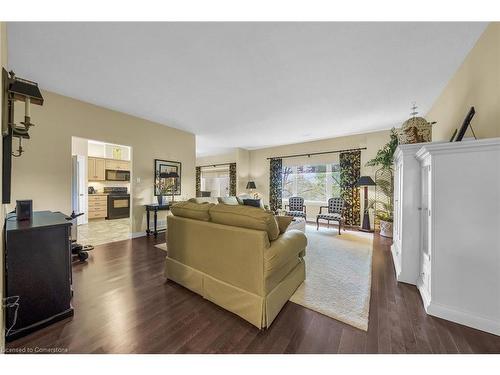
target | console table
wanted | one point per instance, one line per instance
(155, 207)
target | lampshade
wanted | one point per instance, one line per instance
(169, 175)
(251, 185)
(365, 181)
(22, 89)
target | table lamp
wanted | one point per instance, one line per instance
(251, 186)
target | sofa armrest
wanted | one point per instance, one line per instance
(289, 244)
(283, 256)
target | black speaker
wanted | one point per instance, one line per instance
(24, 210)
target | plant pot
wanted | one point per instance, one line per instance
(160, 199)
(386, 228)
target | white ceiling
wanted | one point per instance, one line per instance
(247, 85)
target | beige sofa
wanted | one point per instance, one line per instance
(247, 267)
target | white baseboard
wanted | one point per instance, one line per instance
(396, 270)
(462, 317)
(138, 234)
(465, 318)
(426, 299)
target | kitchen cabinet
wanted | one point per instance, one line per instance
(96, 169)
(98, 206)
(118, 165)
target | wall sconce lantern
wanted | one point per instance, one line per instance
(15, 88)
(19, 89)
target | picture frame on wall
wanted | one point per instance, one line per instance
(161, 166)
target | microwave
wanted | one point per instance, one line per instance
(114, 175)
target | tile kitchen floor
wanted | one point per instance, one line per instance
(100, 231)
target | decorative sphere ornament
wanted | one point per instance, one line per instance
(415, 130)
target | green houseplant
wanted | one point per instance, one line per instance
(384, 178)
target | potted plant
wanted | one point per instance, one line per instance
(384, 178)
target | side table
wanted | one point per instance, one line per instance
(155, 207)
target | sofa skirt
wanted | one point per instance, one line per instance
(258, 310)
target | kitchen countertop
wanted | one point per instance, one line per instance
(99, 194)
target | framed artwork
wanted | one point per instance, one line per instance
(166, 166)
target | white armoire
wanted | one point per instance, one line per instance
(406, 228)
(459, 241)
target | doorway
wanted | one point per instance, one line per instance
(101, 190)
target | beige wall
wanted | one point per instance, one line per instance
(259, 165)
(476, 83)
(3, 61)
(43, 172)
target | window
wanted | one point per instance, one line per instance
(312, 182)
(215, 181)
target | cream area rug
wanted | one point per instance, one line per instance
(338, 275)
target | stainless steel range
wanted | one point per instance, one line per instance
(118, 202)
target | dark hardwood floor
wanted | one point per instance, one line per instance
(123, 305)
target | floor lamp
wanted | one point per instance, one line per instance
(365, 181)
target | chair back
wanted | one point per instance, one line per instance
(296, 203)
(335, 205)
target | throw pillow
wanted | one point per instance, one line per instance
(252, 202)
(233, 201)
(283, 222)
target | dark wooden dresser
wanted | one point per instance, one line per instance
(37, 271)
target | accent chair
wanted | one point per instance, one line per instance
(296, 207)
(335, 213)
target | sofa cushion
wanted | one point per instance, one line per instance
(245, 217)
(283, 222)
(232, 201)
(192, 210)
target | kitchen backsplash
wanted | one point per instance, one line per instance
(99, 185)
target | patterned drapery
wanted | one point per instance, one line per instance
(232, 179)
(275, 183)
(350, 167)
(198, 181)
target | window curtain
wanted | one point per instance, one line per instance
(198, 181)
(275, 183)
(350, 167)
(232, 179)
